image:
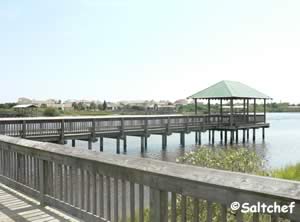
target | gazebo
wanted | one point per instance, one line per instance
(232, 91)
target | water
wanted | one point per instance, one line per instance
(281, 146)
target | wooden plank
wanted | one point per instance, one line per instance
(141, 202)
(132, 202)
(209, 211)
(173, 207)
(183, 208)
(124, 202)
(116, 200)
(101, 194)
(108, 198)
(196, 210)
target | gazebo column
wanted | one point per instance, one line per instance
(248, 110)
(221, 119)
(196, 111)
(244, 110)
(196, 106)
(254, 111)
(231, 112)
(265, 110)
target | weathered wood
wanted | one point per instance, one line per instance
(116, 200)
(216, 186)
(132, 202)
(141, 202)
(173, 207)
(124, 203)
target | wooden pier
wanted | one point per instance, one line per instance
(91, 129)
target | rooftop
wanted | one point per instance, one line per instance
(229, 89)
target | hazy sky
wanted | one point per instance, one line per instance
(133, 49)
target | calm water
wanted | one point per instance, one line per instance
(281, 146)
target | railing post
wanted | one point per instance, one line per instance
(168, 126)
(186, 119)
(24, 129)
(93, 129)
(62, 131)
(122, 128)
(158, 205)
(146, 126)
(42, 181)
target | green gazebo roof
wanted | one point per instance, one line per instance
(229, 89)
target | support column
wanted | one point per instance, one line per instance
(90, 143)
(221, 136)
(118, 145)
(73, 143)
(231, 136)
(247, 134)
(225, 132)
(213, 137)
(199, 138)
(101, 144)
(142, 144)
(244, 136)
(254, 135)
(125, 144)
(209, 136)
(146, 142)
(237, 137)
(263, 133)
(182, 139)
(196, 137)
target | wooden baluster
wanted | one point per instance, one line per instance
(196, 210)
(101, 195)
(141, 202)
(124, 205)
(108, 200)
(116, 200)
(132, 202)
(183, 208)
(173, 207)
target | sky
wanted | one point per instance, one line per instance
(132, 49)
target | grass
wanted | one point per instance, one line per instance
(291, 172)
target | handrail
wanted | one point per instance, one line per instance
(84, 183)
(30, 127)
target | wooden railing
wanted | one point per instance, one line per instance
(31, 127)
(100, 187)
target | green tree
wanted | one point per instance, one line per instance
(50, 111)
(93, 106)
(104, 106)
